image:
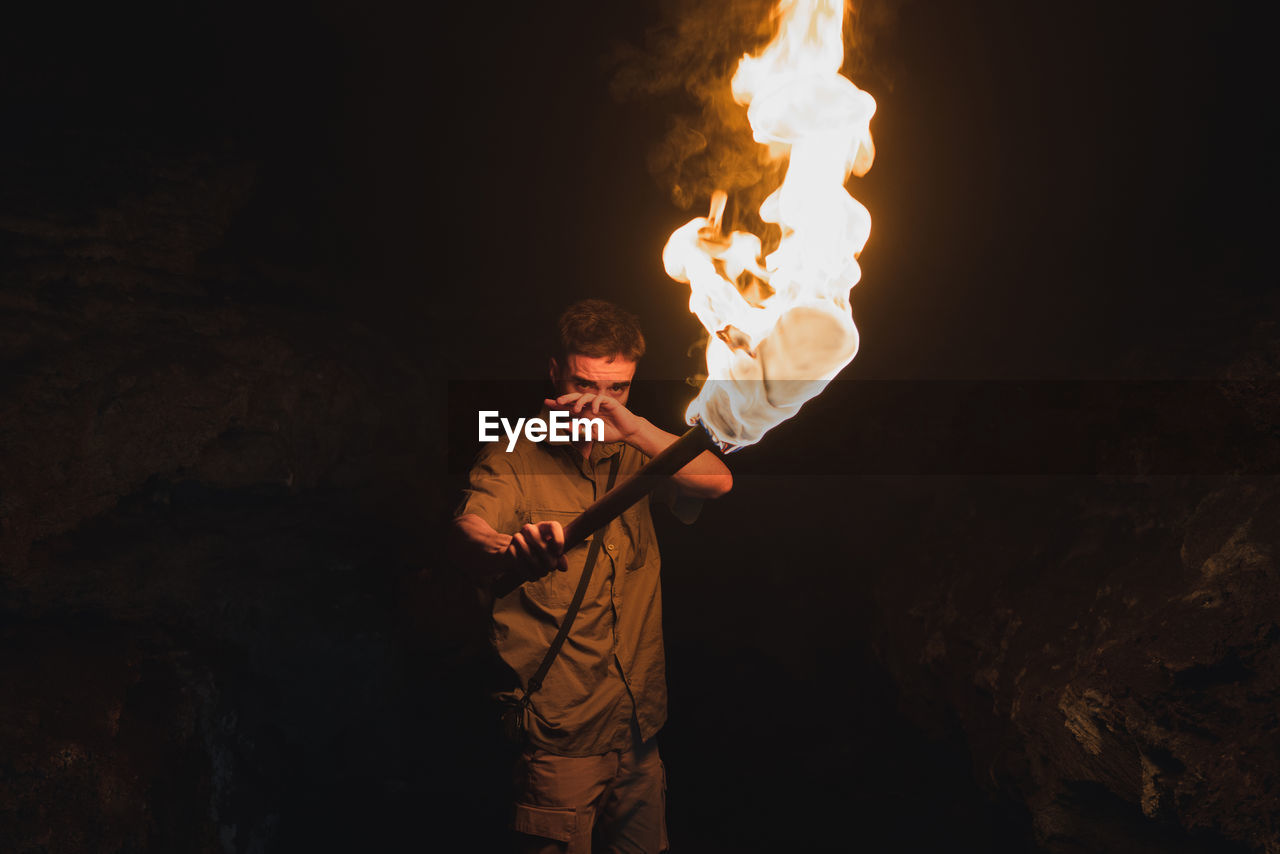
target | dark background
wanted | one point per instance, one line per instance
(248, 252)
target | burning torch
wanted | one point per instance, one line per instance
(779, 326)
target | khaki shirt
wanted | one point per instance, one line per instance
(612, 663)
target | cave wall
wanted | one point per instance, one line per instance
(210, 511)
(1108, 650)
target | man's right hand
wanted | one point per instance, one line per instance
(537, 549)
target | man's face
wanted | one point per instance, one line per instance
(609, 376)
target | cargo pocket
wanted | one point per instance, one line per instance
(547, 822)
(638, 529)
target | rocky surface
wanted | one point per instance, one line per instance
(1110, 654)
(198, 605)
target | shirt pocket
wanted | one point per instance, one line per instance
(637, 528)
(556, 587)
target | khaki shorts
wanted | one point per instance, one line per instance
(618, 797)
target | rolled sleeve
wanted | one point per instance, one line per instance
(683, 506)
(493, 492)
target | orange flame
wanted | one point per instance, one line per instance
(781, 328)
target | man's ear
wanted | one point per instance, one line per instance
(553, 368)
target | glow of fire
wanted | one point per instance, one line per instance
(781, 327)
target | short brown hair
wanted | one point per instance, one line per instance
(597, 328)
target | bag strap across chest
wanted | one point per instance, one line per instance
(593, 553)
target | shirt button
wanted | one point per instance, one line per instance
(611, 547)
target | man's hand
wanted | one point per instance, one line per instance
(620, 423)
(538, 549)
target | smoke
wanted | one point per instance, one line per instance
(687, 62)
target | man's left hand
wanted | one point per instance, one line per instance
(620, 423)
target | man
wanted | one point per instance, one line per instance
(591, 764)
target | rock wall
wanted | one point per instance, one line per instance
(1109, 651)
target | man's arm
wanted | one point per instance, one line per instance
(498, 561)
(706, 476)
(502, 562)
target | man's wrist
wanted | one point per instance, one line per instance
(651, 439)
(641, 435)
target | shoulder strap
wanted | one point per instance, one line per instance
(593, 551)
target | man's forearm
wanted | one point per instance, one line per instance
(704, 477)
(482, 551)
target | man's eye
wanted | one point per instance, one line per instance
(619, 388)
(584, 386)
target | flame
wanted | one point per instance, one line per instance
(781, 328)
